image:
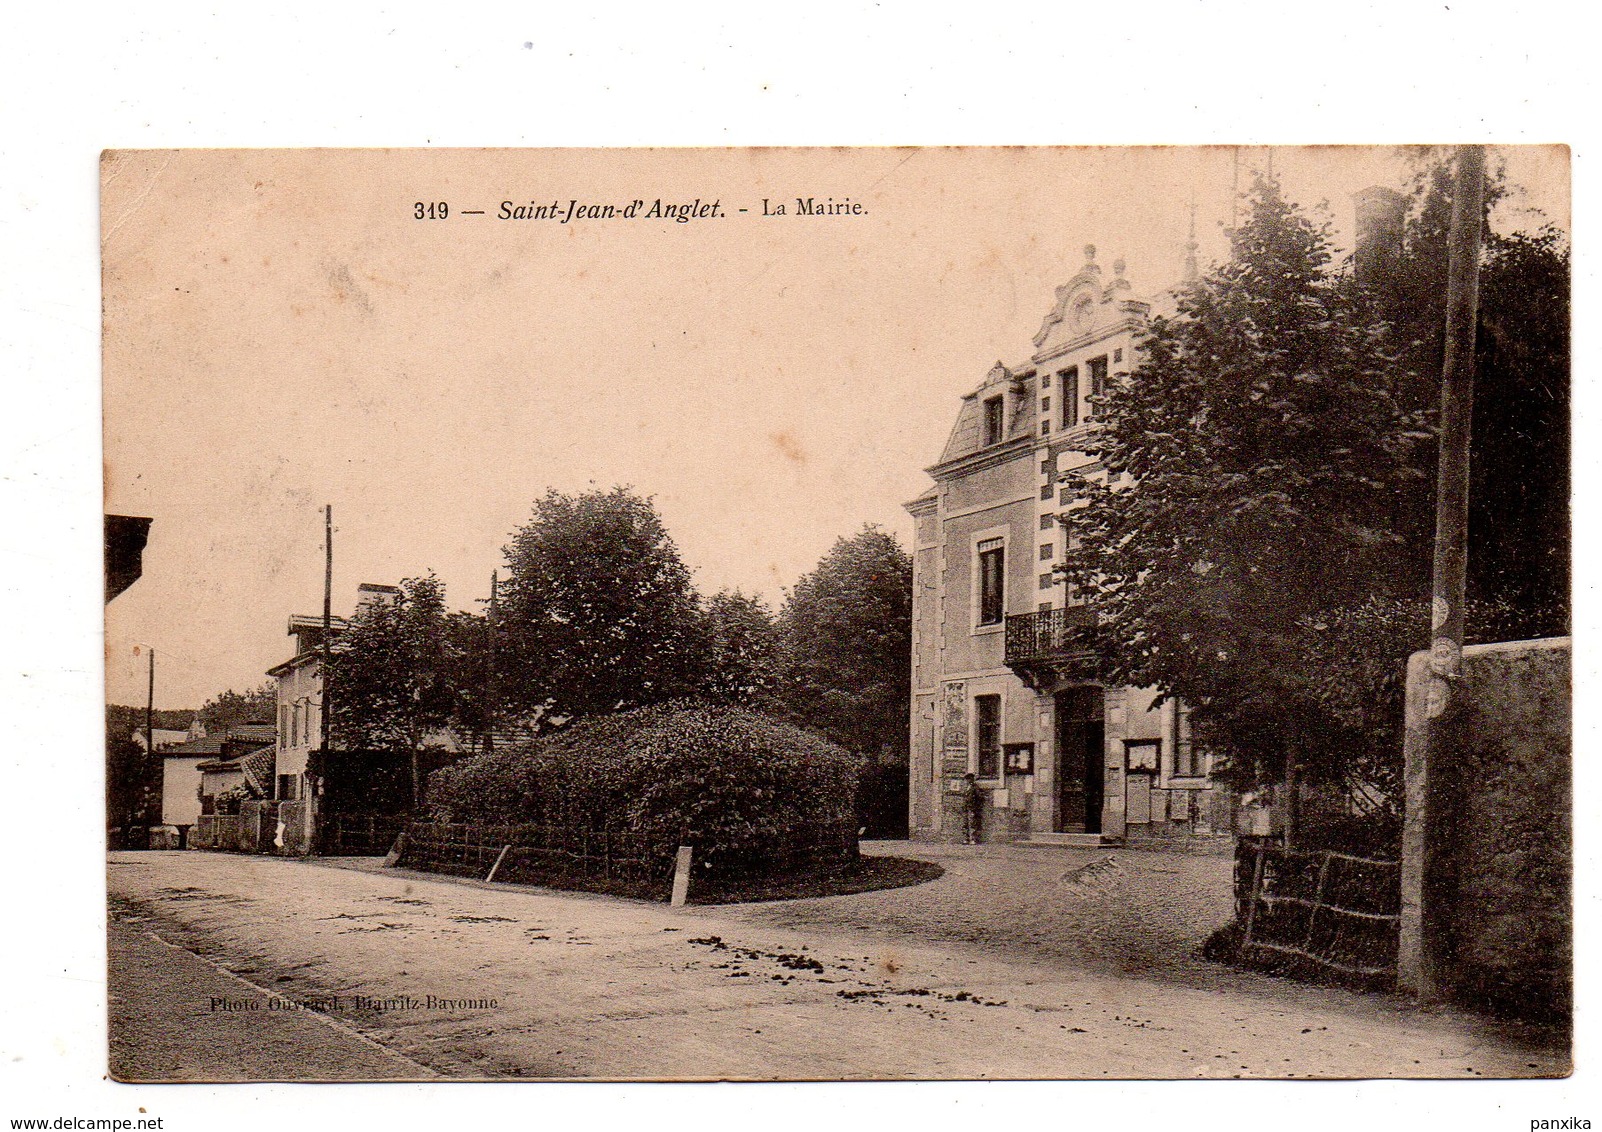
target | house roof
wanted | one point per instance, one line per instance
(258, 767)
(194, 748)
(309, 622)
(238, 761)
(257, 732)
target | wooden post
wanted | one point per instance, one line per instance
(328, 615)
(150, 747)
(397, 851)
(1255, 890)
(681, 876)
(495, 868)
(314, 807)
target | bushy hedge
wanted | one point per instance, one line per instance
(741, 787)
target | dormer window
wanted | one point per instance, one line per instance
(994, 421)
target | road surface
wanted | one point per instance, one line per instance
(475, 981)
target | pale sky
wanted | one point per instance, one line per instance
(282, 333)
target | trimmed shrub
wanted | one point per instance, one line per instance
(751, 794)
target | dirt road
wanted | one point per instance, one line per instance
(473, 981)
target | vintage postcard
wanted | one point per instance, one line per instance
(837, 614)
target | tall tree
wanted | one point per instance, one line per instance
(1519, 491)
(1250, 471)
(847, 644)
(597, 610)
(741, 649)
(390, 678)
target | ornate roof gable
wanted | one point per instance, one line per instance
(1081, 292)
(997, 375)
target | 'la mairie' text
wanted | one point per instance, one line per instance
(812, 206)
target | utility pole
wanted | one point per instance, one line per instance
(491, 692)
(1425, 885)
(314, 784)
(1457, 413)
(328, 615)
(150, 721)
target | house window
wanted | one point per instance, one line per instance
(1046, 490)
(992, 562)
(1118, 355)
(1045, 427)
(993, 422)
(286, 787)
(1045, 404)
(1045, 607)
(294, 727)
(1186, 762)
(283, 725)
(1098, 380)
(987, 724)
(1070, 397)
(1045, 581)
(1045, 551)
(1047, 522)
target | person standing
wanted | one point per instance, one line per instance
(973, 800)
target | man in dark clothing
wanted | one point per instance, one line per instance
(973, 801)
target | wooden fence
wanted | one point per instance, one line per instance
(359, 835)
(609, 860)
(1318, 909)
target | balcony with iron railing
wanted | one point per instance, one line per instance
(1042, 642)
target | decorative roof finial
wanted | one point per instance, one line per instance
(1090, 254)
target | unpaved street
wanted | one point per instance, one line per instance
(932, 981)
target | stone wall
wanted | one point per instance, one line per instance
(1487, 853)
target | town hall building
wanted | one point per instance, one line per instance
(1057, 756)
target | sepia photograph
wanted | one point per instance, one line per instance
(800, 614)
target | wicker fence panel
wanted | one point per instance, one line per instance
(1336, 912)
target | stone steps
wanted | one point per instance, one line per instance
(1072, 840)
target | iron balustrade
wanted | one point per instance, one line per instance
(1036, 638)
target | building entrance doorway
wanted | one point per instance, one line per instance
(1081, 736)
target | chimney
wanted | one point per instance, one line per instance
(1380, 216)
(371, 593)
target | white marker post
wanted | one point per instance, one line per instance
(681, 877)
(396, 852)
(496, 867)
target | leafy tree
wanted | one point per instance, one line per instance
(1519, 468)
(1251, 471)
(846, 635)
(231, 708)
(133, 775)
(741, 649)
(598, 612)
(390, 677)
